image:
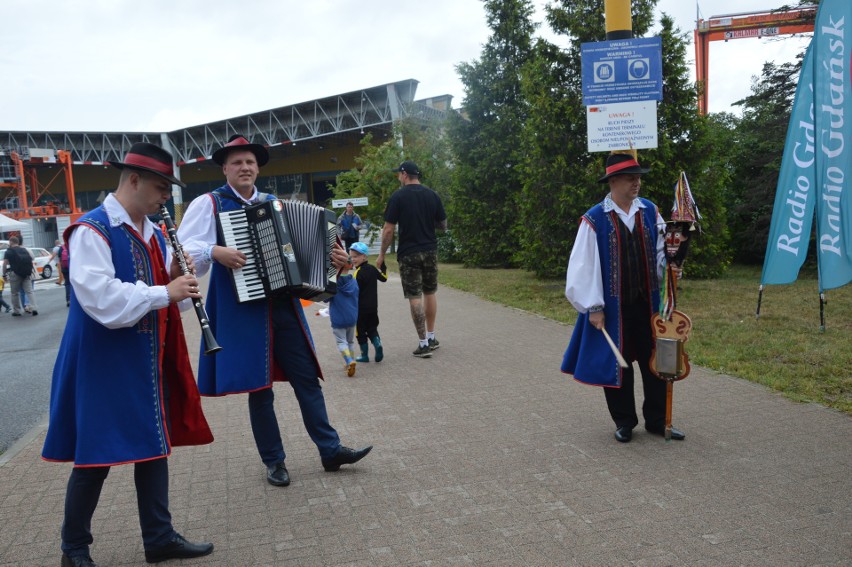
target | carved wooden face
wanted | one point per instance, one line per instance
(677, 242)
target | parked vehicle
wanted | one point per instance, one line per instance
(44, 268)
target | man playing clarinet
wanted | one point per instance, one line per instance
(123, 390)
(264, 340)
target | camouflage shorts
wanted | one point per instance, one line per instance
(419, 273)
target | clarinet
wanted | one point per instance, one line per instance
(209, 339)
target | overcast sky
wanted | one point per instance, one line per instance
(161, 65)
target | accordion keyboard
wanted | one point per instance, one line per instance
(247, 280)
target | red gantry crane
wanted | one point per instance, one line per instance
(768, 23)
(24, 171)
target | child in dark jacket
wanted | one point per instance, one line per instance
(368, 301)
(3, 303)
(343, 311)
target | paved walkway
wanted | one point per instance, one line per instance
(484, 455)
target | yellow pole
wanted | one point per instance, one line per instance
(618, 21)
(619, 25)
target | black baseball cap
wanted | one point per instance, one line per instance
(408, 167)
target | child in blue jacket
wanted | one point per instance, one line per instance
(343, 311)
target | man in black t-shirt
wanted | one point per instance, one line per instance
(419, 212)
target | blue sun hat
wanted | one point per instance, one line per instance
(360, 248)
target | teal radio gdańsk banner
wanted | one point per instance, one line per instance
(832, 46)
(816, 168)
(795, 197)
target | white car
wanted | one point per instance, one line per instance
(40, 261)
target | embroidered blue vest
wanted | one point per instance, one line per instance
(106, 405)
(246, 362)
(588, 356)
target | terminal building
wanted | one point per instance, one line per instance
(48, 179)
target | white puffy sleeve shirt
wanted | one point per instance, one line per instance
(109, 301)
(583, 281)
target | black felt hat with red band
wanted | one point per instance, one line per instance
(238, 142)
(151, 158)
(621, 164)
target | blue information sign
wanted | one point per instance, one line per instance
(623, 70)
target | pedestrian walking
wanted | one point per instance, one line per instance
(123, 390)
(55, 253)
(368, 277)
(343, 313)
(3, 304)
(349, 226)
(18, 269)
(262, 341)
(419, 212)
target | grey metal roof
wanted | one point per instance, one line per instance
(347, 112)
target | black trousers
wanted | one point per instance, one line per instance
(367, 327)
(65, 274)
(296, 360)
(152, 498)
(636, 342)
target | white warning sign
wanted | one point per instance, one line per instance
(621, 125)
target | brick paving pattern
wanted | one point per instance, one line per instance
(484, 454)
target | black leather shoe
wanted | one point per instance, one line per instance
(78, 561)
(178, 548)
(624, 434)
(345, 456)
(277, 475)
(677, 434)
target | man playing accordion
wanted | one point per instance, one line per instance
(264, 340)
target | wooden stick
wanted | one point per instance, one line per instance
(615, 351)
(669, 396)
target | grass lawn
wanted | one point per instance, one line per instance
(783, 350)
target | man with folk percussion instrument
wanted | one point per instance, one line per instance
(613, 281)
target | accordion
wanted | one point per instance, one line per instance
(287, 246)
